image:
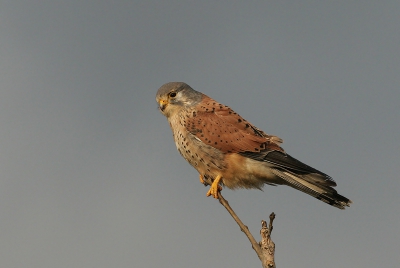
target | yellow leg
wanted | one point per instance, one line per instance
(215, 188)
(201, 179)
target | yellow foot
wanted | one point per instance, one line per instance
(215, 188)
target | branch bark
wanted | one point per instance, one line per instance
(266, 244)
(265, 249)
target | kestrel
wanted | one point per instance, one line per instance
(222, 145)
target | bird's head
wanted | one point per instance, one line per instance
(174, 96)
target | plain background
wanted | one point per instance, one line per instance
(90, 176)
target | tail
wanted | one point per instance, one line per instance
(306, 184)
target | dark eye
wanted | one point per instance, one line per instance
(172, 94)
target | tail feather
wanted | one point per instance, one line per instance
(322, 192)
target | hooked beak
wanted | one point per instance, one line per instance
(162, 104)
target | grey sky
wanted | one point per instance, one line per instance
(90, 176)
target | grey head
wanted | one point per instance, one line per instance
(172, 97)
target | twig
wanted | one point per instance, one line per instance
(266, 244)
(266, 248)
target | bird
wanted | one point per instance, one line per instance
(234, 153)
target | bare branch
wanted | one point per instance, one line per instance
(266, 244)
(266, 248)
